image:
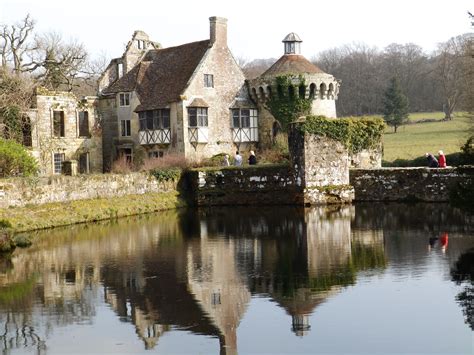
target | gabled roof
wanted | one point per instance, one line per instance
(292, 64)
(162, 76)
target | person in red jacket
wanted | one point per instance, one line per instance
(441, 159)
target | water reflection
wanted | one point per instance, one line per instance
(197, 270)
(463, 273)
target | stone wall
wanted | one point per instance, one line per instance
(321, 166)
(260, 185)
(269, 185)
(44, 141)
(16, 192)
(407, 184)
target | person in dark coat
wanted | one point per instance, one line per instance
(432, 161)
(252, 158)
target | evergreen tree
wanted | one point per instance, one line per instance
(395, 111)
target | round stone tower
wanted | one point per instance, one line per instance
(309, 81)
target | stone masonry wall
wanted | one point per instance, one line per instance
(269, 185)
(235, 186)
(407, 184)
(45, 144)
(16, 192)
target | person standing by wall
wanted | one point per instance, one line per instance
(441, 159)
(432, 161)
(226, 161)
(252, 158)
(237, 159)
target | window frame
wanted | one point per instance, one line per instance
(125, 127)
(83, 130)
(120, 70)
(200, 115)
(124, 99)
(154, 120)
(251, 120)
(60, 131)
(58, 163)
(208, 80)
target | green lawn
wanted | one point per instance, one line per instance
(414, 140)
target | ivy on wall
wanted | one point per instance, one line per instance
(355, 133)
(286, 105)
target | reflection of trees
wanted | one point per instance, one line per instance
(194, 269)
(428, 217)
(463, 273)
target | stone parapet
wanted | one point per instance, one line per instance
(264, 185)
(18, 192)
(407, 184)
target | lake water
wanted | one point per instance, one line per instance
(375, 278)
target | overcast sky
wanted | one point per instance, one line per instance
(255, 27)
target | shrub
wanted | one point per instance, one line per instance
(15, 160)
(22, 241)
(468, 151)
(121, 166)
(167, 161)
(6, 244)
(356, 133)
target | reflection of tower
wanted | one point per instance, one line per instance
(321, 264)
(328, 238)
(300, 324)
(214, 281)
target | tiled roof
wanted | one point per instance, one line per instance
(292, 64)
(162, 76)
(198, 102)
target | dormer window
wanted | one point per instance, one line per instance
(208, 80)
(124, 99)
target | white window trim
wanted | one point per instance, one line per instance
(125, 94)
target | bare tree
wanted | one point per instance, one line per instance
(14, 43)
(453, 65)
(57, 63)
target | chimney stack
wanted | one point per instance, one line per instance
(218, 27)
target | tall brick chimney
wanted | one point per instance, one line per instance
(218, 27)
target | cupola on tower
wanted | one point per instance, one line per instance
(309, 81)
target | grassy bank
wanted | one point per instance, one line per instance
(61, 214)
(415, 139)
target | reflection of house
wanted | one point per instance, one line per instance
(215, 282)
(65, 128)
(189, 99)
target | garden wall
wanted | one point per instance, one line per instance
(237, 186)
(407, 184)
(17, 192)
(265, 185)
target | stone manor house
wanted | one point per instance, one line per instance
(192, 99)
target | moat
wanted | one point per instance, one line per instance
(369, 278)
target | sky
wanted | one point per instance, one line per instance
(255, 28)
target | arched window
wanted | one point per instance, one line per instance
(291, 92)
(262, 93)
(331, 91)
(280, 92)
(269, 92)
(322, 90)
(302, 91)
(254, 93)
(312, 90)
